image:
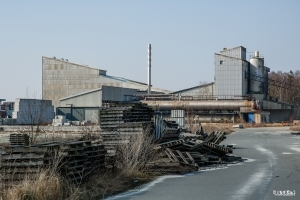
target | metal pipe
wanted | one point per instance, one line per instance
(149, 68)
(200, 105)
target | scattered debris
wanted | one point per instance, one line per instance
(197, 150)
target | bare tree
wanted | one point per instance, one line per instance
(203, 90)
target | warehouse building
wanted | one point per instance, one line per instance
(62, 78)
(86, 106)
(32, 111)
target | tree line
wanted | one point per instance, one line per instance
(287, 87)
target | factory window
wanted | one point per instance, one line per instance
(221, 62)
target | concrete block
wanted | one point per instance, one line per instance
(76, 123)
(57, 124)
(238, 126)
(61, 117)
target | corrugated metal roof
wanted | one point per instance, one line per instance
(86, 66)
(83, 93)
(198, 86)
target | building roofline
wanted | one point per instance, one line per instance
(234, 48)
(80, 94)
(122, 79)
(231, 57)
(106, 76)
(198, 86)
(86, 66)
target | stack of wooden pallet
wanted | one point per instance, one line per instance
(119, 121)
(113, 115)
(19, 139)
(20, 162)
(74, 160)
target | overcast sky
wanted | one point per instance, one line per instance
(113, 35)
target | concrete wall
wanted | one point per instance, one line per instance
(62, 79)
(33, 111)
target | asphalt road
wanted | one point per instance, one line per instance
(272, 166)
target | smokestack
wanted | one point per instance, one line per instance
(149, 68)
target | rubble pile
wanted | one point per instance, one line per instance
(196, 150)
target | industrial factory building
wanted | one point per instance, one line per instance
(62, 78)
(238, 93)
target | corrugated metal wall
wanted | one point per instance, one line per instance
(78, 114)
(178, 116)
(94, 98)
(90, 99)
(72, 113)
(64, 111)
(230, 80)
(117, 94)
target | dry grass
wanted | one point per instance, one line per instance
(52, 186)
(131, 159)
(109, 183)
(45, 187)
(295, 128)
(210, 127)
(250, 125)
(133, 156)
